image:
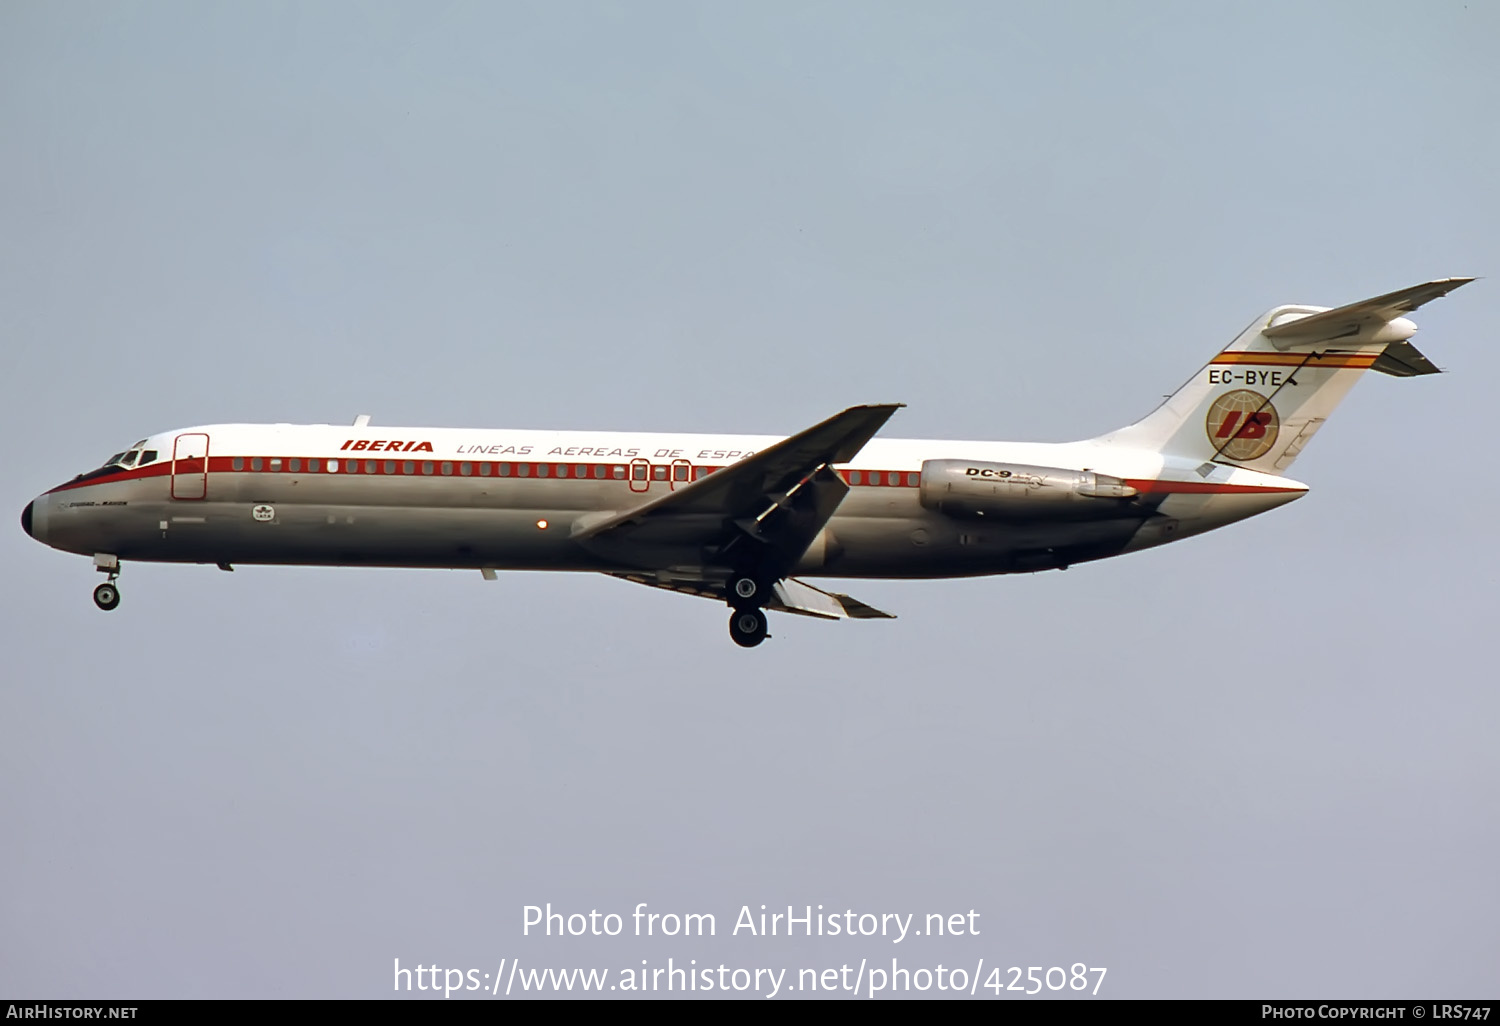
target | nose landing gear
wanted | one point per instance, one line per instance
(107, 595)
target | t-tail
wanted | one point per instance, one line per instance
(1259, 402)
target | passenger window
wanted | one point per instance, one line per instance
(893, 478)
(333, 466)
(238, 463)
(313, 465)
(465, 469)
(680, 472)
(658, 473)
(426, 466)
(389, 468)
(484, 470)
(408, 466)
(523, 469)
(294, 465)
(541, 470)
(912, 480)
(447, 467)
(855, 477)
(255, 463)
(638, 471)
(617, 472)
(505, 470)
(369, 466)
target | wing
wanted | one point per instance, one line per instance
(781, 497)
(788, 596)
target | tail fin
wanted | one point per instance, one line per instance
(1258, 402)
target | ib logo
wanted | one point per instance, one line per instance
(1242, 424)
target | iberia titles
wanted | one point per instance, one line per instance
(382, 445)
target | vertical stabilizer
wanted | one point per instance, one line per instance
(1259, 401)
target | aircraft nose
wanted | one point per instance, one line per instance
(26, 519)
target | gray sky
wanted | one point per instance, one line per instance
(1257, 763)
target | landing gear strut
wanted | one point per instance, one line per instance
(748, 627)
(107, 595)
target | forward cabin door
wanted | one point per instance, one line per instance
(190, 466)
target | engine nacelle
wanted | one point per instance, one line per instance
(1014, 491)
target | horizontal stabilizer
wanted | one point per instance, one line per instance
(1404, 360)
(1358, 318)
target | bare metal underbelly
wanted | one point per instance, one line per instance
(893, 543)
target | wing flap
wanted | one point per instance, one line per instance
(788, 596)
(794, 596)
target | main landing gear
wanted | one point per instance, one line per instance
(748, 627)
(747, 623)
(107, 595)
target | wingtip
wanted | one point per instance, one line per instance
(1449, 284)
(888, 410)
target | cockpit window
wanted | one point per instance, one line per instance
(116, 463)
(136, 456)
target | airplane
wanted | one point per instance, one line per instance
(741, 520)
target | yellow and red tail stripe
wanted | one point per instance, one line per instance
(1357, 361)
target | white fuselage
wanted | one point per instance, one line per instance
(502, 499)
